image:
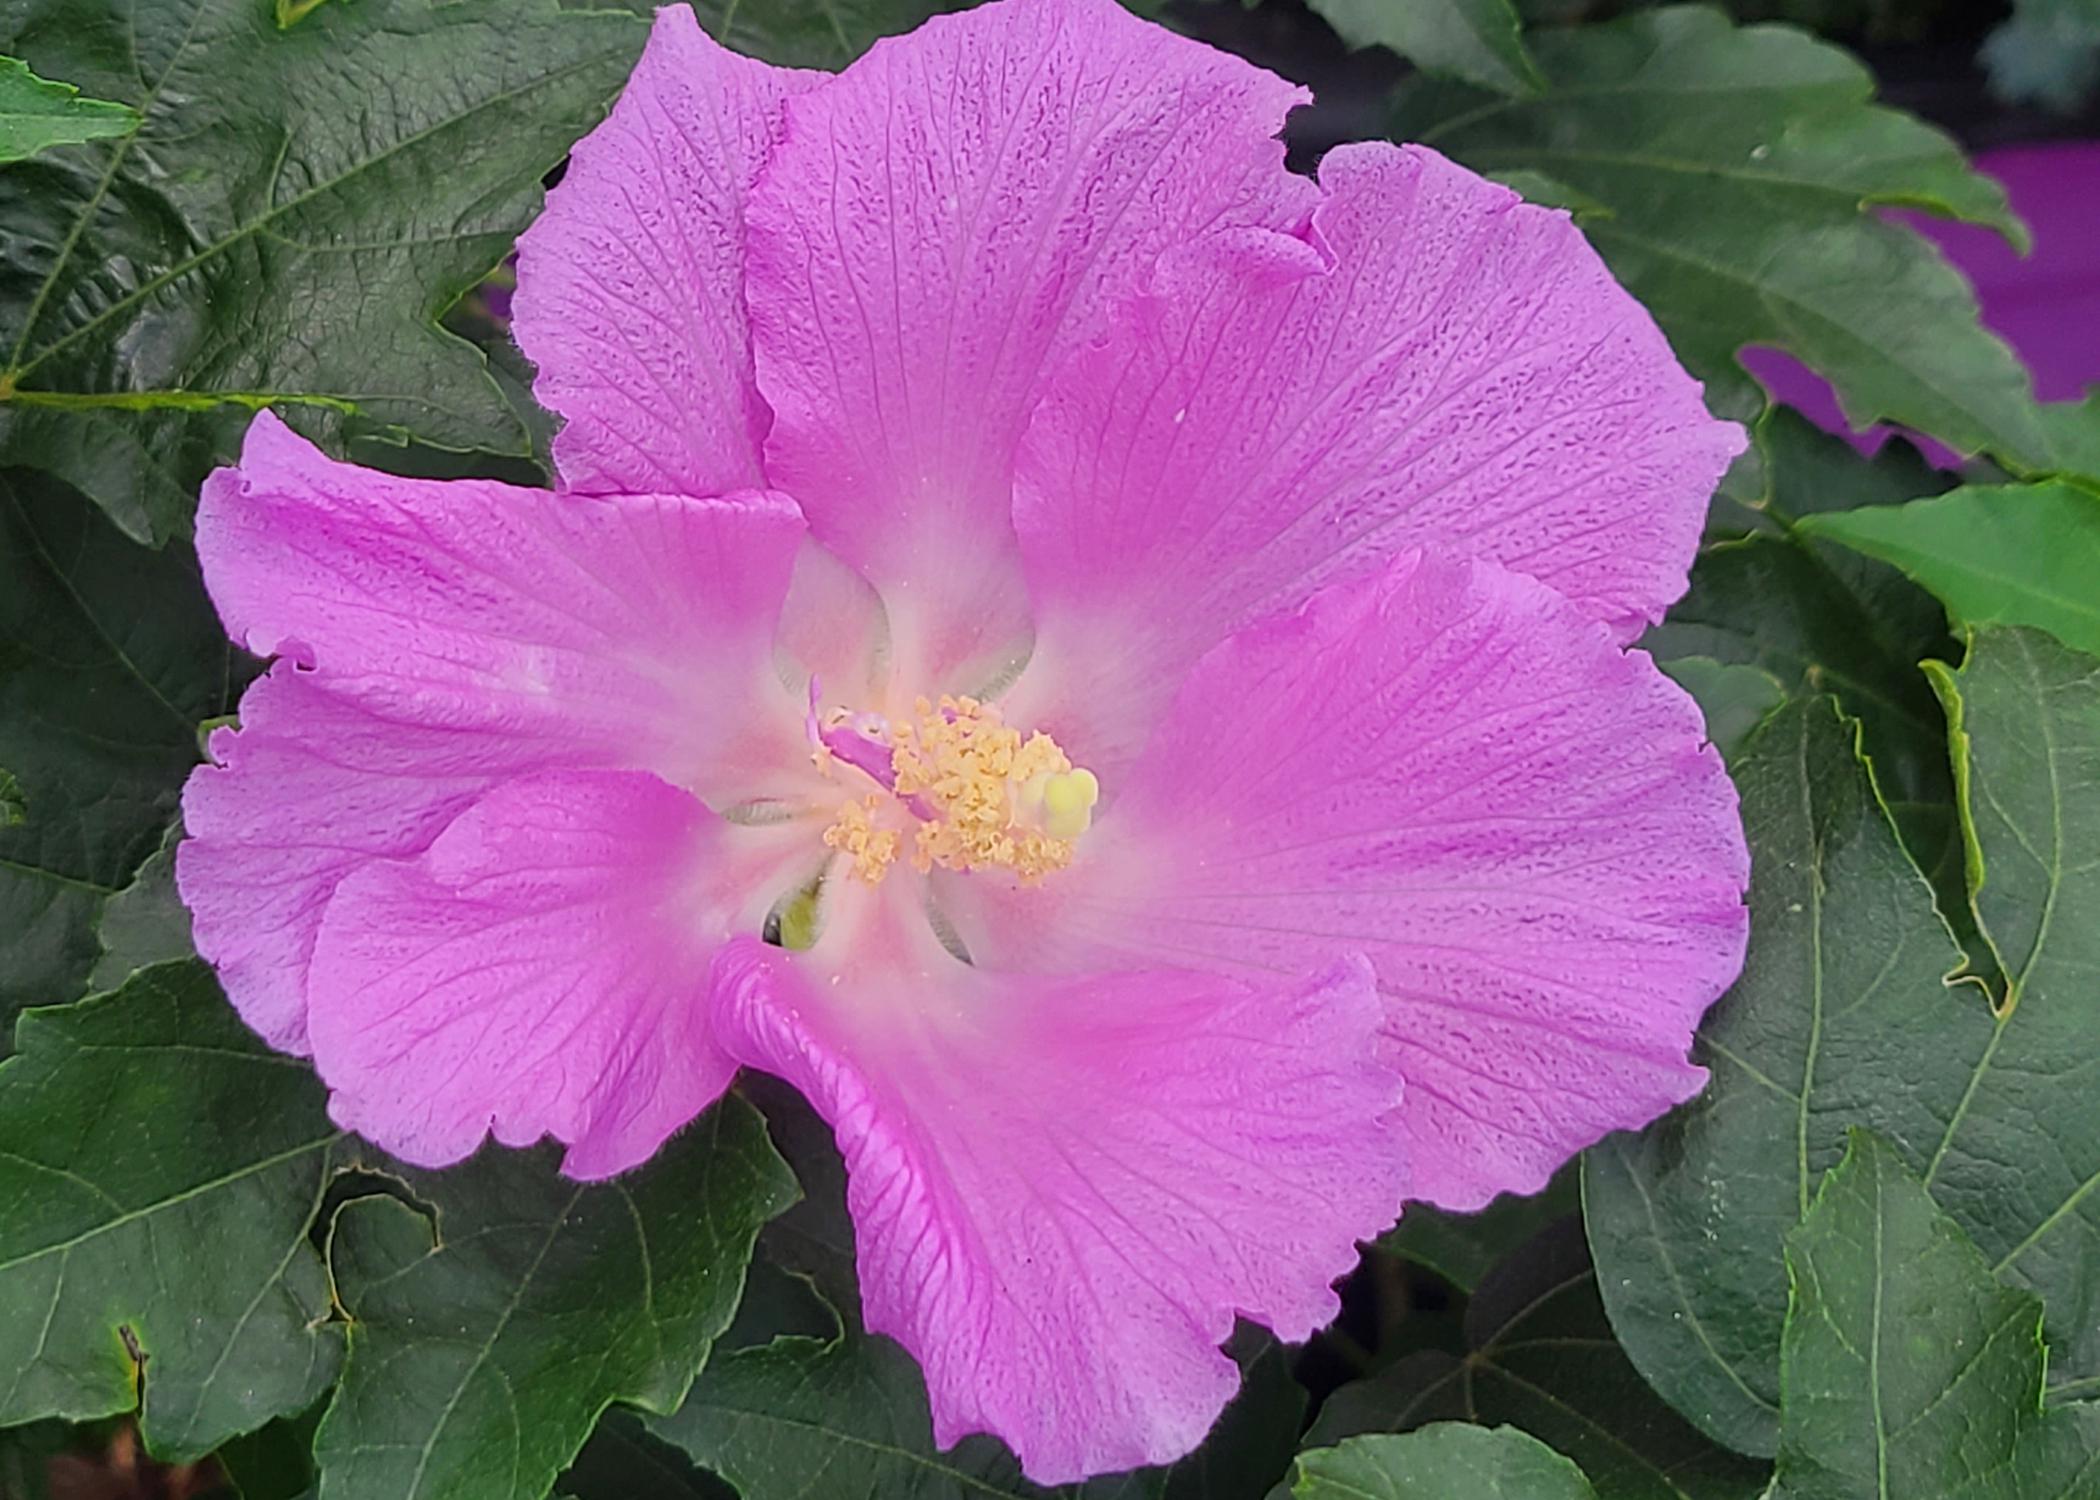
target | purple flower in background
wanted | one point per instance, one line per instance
(2046, 304)
(1149, 627)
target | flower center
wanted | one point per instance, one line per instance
(983, 795)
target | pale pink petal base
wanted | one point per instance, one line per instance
(1063, 1192)
(1434, 363)
(541, 970)
(631, 284)
(1450, 769)
(941, 224)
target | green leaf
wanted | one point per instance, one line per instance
(809, 33)
(2019, 1164)
(484, 1344)
(1821, 618)
(275, 1462)
(1543, 1359)
(160, 1169)
(1444, 1461)
(777, 1419)
(1909, 1370)
(293, 213)
(1995, 555)
(1734, 698)
(110, 656)
(1463, 1248)
(1840, 1019)
(623, 1461)
(1840, 1015)
(1739, 166)
(12, 811)
(774, 1420)
(37, 114)
(145, 923)
(1480, 41)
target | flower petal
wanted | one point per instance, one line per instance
(631, 284)
(942, 222)
(541, 969)
(1064, 1191)
(310, 788)
(1441, 366)
(1453, 771)
(630, 632)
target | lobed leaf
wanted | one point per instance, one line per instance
(1909, 1370)
(159, 1172)
(1738, 165)
(1840, 1015)
(295, 209)
(487, 1336)
(1822, 619)
(1840, 1018)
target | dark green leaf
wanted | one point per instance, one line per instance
(1909, 1370)
(1444, 1461)
(1739, 165)
(294, 212)
(1734, 698)
(783, 1420)
(1995, 555)
(2019, 1161)
(1479, 41)
(145, 923)
(275, 1462)
(11, 807)
(159, 1171)
(110, 657)
(1838, 1016)
(624, 1461)
(1840, 1019)
(25, 1458)
(37, 114)
(1823, 619)
(809, 33)
(1543, 1359)
(775, 1420)
(1463, 1248)
(484, 1345)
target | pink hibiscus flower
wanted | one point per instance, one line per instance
(1147, 627)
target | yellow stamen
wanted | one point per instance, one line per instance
(1000, 801)
(873, 850)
